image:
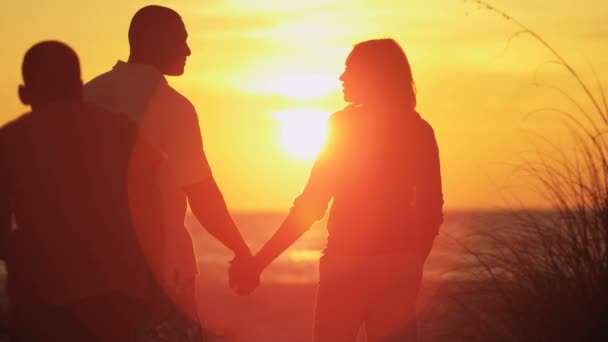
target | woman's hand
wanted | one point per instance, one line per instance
(244, 275)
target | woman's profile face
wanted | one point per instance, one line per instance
(357, 81)
(349, 82)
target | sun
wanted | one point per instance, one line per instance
(302, 132)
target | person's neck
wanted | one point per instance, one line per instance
(69, 99)
(135, 59)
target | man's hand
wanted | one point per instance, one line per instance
(244, 275)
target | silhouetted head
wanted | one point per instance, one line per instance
(378, 72)
(157, 36)
(51, 72)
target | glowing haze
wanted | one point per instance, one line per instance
(263, 76)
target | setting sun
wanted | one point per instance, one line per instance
(302, 132)
(304, 170)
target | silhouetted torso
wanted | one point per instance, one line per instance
(378, 167)
(67, 170)
(170, 122)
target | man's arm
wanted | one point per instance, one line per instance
(209, 207)
(191, 170)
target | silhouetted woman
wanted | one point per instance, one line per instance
(381, 167)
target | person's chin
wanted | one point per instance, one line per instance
(175, 69)
(344, 94)
(175, 72)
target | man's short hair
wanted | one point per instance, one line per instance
(51, 66)
(148, 23)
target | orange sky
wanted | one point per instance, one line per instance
(260, 67)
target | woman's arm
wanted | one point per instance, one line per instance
(429, 194)
(309, 207)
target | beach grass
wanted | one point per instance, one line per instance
(542, 275)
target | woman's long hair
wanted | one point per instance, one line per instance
(386, 62)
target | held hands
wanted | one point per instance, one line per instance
(244, 274)
(245, 270)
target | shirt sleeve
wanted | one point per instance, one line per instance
(429, 193)
(312, 203)
(184, 148)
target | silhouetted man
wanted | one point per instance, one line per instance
(81, 188)
(158, 47)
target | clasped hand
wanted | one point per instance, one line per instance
(244, 274)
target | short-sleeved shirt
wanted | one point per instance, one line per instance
(66, 174)
(170, 122)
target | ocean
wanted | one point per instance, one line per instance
(298, 265)
(282, 308)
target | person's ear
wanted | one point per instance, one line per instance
(24, 95)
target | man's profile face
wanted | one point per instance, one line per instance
(173, 49)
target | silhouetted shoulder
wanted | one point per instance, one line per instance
(345, 114)
(14, 128)
(13, 138)
(110, 117)
(124, 130)
(426, 130)
(425, 126)
(181, 102)
(92, 88)
(100, 78)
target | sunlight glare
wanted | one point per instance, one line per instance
(303, 132)
(305, 255)
(297, 85)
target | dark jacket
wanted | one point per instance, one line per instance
(382, 171)
(68, 174)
